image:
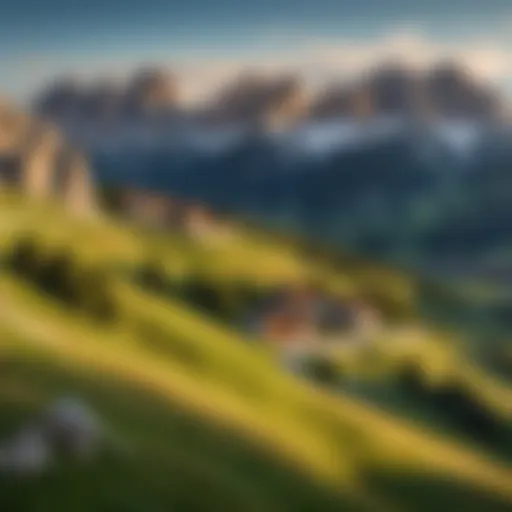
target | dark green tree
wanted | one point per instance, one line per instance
(95, 295)
(152, 276)
(24, 257)
(59, 276)
(323, 371)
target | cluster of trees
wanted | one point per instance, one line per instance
(226, 300)
(499, 358)
(323, 371)
(457, 403)
(59, 274)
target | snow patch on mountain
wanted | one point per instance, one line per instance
(309, 141)
(462, 138)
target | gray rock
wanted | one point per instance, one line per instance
(73, 428)
(27, 453)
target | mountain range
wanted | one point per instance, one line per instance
(280, 100)
(406, 166)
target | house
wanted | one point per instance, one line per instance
(289, 316)
(353, 322)
(336, 315)
(304, 316)
(286, 329)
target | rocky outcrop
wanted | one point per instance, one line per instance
(453, 92)
(36, 159)
(68, 429)
(38, 155)
(270, 102)
(76, 186)
(13, 126)
(151, 91)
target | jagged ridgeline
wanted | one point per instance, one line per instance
(277, 100)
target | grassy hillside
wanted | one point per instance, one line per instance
(263, 260)
(175, 458)
(202, 408)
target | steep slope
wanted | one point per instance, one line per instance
(165, 350)
(170, 452)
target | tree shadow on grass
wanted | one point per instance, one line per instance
(429, 492)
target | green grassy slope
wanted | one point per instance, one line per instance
(369, 455)
(174, 459)
(162, 359)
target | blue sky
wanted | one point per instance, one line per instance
(40, 39)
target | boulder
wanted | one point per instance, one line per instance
(27, 453)
(72, 428)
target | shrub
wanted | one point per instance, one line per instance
(502, 314)
(413, 380)
(393, 308)
(203, 295)
(111, 198)
(473, 416)
(95, 295)
(25, 256)
(501, 359)
(437, 299)
(152, 276)
(322, 370)
(456, 403)
(59, 275)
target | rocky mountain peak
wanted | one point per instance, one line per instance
(152, 89)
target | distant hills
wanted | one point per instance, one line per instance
(394, 191)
